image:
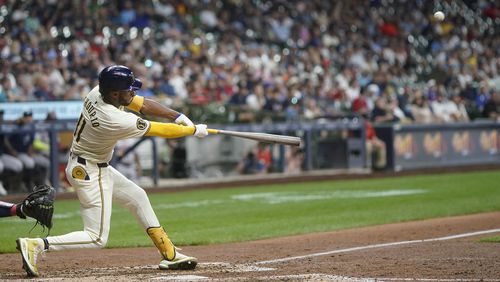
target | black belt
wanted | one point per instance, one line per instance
(83, 161)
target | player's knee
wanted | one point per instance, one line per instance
(98, 241)
(142, 194)
(140, 197)
(101, 242)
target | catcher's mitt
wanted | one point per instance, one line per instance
(39, 205)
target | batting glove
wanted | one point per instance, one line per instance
(184, 120)
(200, 130)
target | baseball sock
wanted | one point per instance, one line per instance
(162, 242)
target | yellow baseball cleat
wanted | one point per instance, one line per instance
(180, 262)
(30, 249)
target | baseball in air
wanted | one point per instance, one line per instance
(439, 16)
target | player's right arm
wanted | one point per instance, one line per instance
(153, 108)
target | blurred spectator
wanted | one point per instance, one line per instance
(460, 112)
(444, 109)
(404, 99)
(375, 147)
(382, 112)
(9, 93)
(311, 109)
(41, 143)
(42, 88)
(166, 86)
(258, 160)
(264, 156)
(178, 158)
(294, 159)
(397, 112)
(373, 91)
(273, 101)
(238, 105)
(481, 97)
(55, 80)
(376, 151)
(360, 105)
(251, 165)
(127, 14)
(20, 145)
(239, 98)
(6, 71)
(256, 98)
(281, 25)
(492, 107)
(421, 109)
(12, 167)
(293, 110)
(178, 83)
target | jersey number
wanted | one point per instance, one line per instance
(79, 128)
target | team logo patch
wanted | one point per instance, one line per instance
(141, 124)
(79, 172)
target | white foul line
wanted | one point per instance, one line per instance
(380, 246)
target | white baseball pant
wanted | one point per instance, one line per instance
(96, 187)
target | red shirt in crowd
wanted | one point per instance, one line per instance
(370, 131)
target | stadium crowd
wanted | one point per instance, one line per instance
(258, 61)
(266, 59)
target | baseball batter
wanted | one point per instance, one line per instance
(102, 123)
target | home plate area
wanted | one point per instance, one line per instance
(239, 269)
(223, 271)
(210, 271)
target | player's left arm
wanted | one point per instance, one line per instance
(150, 107)
(170, 130)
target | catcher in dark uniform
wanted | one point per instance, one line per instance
(38, 205)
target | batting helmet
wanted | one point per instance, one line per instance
(118, 77)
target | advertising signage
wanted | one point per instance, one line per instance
(445, 146)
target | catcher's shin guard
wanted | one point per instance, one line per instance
(162, 242)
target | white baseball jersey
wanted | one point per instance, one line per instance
(96, 183)
(101, 125)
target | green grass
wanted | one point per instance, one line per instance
(249, 213)
(494, 239)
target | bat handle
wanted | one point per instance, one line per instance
(213, 131)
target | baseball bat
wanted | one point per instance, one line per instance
(263, 137)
